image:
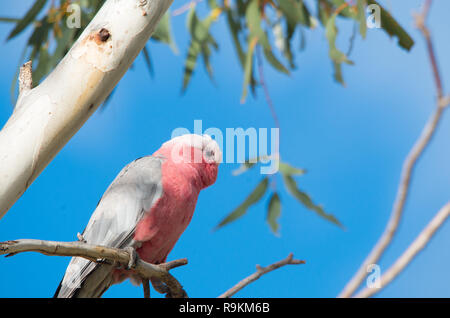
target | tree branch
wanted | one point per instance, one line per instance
(96, 253)
(47, 116)
(417, 245)
(259, 272)
(408, 165)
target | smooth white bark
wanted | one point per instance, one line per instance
(46, 117)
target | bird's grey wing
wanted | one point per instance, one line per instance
(134, 191)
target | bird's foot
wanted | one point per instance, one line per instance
(162, 288)
(133, 257)
(80, 237)
(159, 286)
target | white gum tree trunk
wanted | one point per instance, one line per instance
(47, 116)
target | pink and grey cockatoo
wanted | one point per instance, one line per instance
(147, 207)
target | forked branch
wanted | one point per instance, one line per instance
(96, 253)
(260, 271)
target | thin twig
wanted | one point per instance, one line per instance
(259, 272)
(96, 253)
(417, 245)
(420, 24)
(185, 7)
(408, 166)
(273, 112)
(264, 85)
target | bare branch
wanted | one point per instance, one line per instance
(259, 272)
(184, 8)
(420, 24)
(408, 165)
(263, 83)
(99, 253)
(48, 116)
(417, 245)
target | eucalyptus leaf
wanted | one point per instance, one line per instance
(163, 32)
(253, 198)
(287, 169)
(361, 17)
(334, 53)
(274, 212)
(305, 199)
(393, 28)
(28, 18)
(148, 60)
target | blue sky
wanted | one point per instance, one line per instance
(351, 140)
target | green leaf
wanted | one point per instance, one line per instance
(9, 20)
(28, 18)
(163, 33)
(63, 44)
(253, 19)
(148, 60)
(250, 163)
(346, 11)
(287, 169)
(213, 4)
(43, 66)
(361, 17)
(324, 11)
(295, 12)
(274, 212)
(190, 63)
(206, 53)
(304, 198)
(248, 68)
(235, 29)
(335, 55)
(274, 61)
(392, 28)
(40, 34)
(254, 197)
(201, 39)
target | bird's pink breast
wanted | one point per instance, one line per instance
(161, 227)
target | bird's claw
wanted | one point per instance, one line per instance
(162, 288)
(81, 237)
(133, 257)
(159, 286)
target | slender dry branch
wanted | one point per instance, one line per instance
(99, 254)
(263, 83)
(420, 24)
(184, 8)
(259, 272)
(408, 165)
(417, 245)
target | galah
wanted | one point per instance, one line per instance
(147, 207)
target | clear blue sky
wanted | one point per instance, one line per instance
(351, 140)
